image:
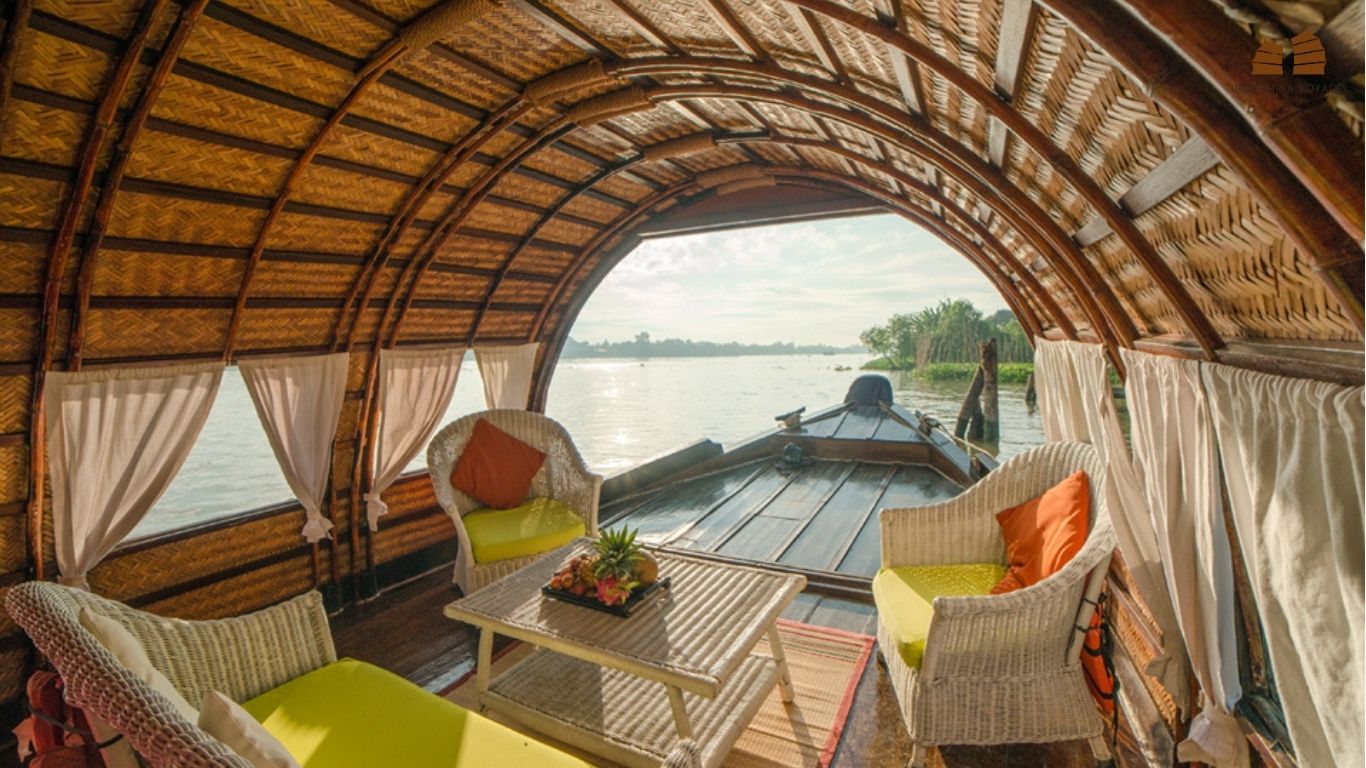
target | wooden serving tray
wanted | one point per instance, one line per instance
(637, 598)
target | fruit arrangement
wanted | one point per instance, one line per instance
(616, 567)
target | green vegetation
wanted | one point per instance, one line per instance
(940, 342)
(1006, 373)
(643, 346)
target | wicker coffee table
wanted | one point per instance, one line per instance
(683, 666)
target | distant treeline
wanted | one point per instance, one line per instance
(947, 333)
(643, 346)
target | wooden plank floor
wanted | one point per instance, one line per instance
(821, 516)
(404, 631)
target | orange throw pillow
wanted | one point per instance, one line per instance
(496, 468)
(1043, 534)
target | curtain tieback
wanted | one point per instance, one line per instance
(375, 508)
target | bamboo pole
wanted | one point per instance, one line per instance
(991, 409)
(971, 405)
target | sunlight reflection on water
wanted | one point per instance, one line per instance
(619, 411)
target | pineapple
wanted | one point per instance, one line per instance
(618, 553)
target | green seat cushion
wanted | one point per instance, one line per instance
(537, 526)
(905, 599)
(350, 714)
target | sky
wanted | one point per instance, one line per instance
(820, 282)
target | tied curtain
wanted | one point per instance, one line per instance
(507, 374)
(1177, 463)
(299, 401)
(1076, 403)
(1292, 458)
(415, 390)
(115, 441)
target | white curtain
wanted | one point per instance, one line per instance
(1292, 457)
(507, 374)
(1076, 403)
(115, 440)
(415, 388)
(299, 401)
(1176, 461)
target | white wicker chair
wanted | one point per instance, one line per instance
(242, 657)
(564, 477)
(1000, 669)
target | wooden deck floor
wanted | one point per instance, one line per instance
(822, 516)
(404, 631)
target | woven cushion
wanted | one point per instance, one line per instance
(905, 599)
(495, 468)
(537, 526)
(1044, 534)
(350, 714)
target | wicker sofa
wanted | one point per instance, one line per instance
(998, 669)
(564, 477)
(251, 659)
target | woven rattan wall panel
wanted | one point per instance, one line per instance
(13, 543)
(122, 333)
(205, 106)
(264, 328)
(47, 134)
(333, 187)
(13, 473)
(153, 217)
(129, 575)
(367, 148)
(136, 273)
(21, 267)
(239, 594)
(452, 286)
(1259, 285)
(292, 278)
(404, 536)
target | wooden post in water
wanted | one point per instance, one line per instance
(1031, 394)
(970, 405)
(991, 406)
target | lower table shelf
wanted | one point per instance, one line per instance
(622, 717)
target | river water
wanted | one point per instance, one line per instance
(620, 412)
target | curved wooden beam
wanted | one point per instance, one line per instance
(1044, 297)
(943, 151)
(990, 268)
(190, 13)
(974, 253)
(412, 204)
(59, 252)
(1298, 125)
(417, 34)
(1288, 152)
(555, 344)
(1157, 269)
(964, 166)
(952, 151)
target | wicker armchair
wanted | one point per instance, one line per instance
(564, 477)
(241, 657)
(1000, 669)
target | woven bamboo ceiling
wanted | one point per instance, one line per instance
(237, 177)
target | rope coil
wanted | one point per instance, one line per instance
(607, 106)
(442, 21)
(683, 145)
(566, 82)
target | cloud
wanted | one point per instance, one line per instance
(809, 282)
